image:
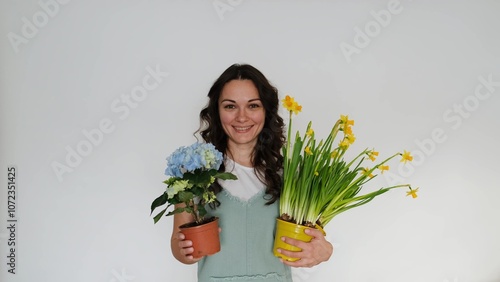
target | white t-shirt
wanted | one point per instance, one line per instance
(246, 186)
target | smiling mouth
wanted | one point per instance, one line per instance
(241, 128)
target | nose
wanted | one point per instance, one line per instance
(242, 116)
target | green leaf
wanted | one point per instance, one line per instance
(188, 210)
(225, 176)
(177, 210)
(175, 200)
(158, 216)
(197, 190)
(202, 211)
(159, 201)
(185, 196)
(198, 177)
(171, 180)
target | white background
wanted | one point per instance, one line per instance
(65, 66)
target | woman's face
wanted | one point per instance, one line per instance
(241, 113)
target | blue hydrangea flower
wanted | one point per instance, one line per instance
(196, 156)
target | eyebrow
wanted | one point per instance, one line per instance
(233, 101)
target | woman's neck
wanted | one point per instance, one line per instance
(241, 154)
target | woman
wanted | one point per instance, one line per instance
(242, 121)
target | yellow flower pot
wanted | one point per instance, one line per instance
(291, 230)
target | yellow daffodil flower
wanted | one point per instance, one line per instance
(406, 157)
(351, 138)
(310, 132)
(366, 171)
(412, 193)
(308, 151)
(334, 154)
(383, 168)
(373, 155)
(345, 143)
(290, 104)
(346, 121)
(297, 108)
(347, 129)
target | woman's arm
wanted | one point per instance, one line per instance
(182, 249)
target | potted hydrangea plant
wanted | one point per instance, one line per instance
(192, 170)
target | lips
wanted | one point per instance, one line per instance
(242, 128)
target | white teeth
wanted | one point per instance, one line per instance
(242, 128)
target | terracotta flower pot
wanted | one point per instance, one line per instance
(205, 237)
(292, 230)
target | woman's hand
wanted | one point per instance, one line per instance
(183, 249)
(186, 249)
(313, 253)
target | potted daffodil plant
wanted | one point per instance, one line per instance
(320, 182)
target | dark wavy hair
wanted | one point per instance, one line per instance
(267, 159)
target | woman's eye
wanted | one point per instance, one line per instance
(229, 107)
(253, 106)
